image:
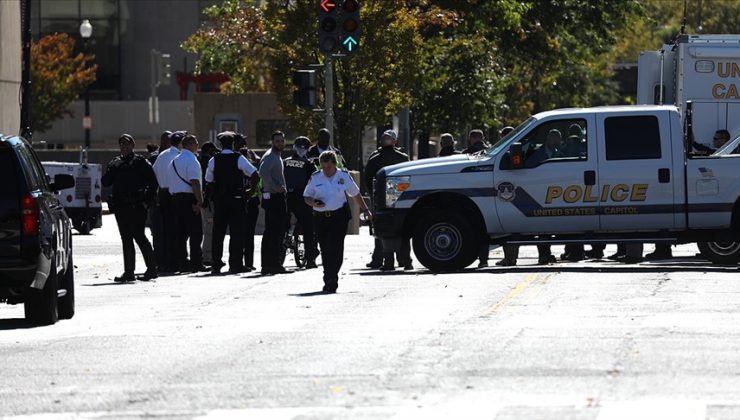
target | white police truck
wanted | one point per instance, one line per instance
(604, 174)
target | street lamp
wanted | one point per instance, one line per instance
(86, 30)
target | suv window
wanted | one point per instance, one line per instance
(629, 138)
(35, 177)
(555, 141)
(8, 174)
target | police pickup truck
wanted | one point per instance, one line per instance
(604, 174)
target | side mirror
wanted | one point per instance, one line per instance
(62, 182)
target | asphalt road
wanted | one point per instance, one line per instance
(590, 340)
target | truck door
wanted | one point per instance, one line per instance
(557, 189)
(636, 172)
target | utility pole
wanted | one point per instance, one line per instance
(26, 71)
(329, 96)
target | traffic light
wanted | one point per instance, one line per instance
(305, 82)
(328, 42)
(164, 69)
(349, 38)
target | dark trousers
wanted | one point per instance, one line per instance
(276, 212)
(131, 221)
(155, 216)
(165, 246)
(377, 257)
(188, 227)
(229, 213)
(304, 214)
(403, 256)
(511, 252)
(250, 225)
(331, 232)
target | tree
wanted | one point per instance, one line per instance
(233, 42)
(57, 78)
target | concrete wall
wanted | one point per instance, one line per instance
(10, 66)
(250, 107)
(112, 118)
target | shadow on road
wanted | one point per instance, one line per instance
(15, 324)
(113, 283)
(309, 294)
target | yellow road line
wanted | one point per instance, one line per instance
(516, 291)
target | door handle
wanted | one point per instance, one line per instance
(589, 177)
(664, 175)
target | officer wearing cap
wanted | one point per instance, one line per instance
(298, 170)
(323, 143)
(387, 155)
(134, 186)
(447, 145)
(225, 171)
(327, 193)
(166, 247)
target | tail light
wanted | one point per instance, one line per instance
(29, 215)
(69, 198)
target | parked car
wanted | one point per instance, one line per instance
(36, 266)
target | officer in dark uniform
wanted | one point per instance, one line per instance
(252, 208)
(134, 188)
(225, 171)
(298, 170)
(387, 155)
(323, 143)
(447, 145)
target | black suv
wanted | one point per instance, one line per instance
(35, 236)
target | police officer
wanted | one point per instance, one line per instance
(323, 143)
(165, 248)
(327, 192)
(225, 172)
(184, 178)
(134, 186)
(447, 144)
(207, 151)
(476, 142)
(252, 209)
(298, 170)
(155, 211)
(387, 155)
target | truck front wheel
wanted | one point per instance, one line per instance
(720, 252)
(445, 241)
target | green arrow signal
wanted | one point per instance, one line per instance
(349, 43)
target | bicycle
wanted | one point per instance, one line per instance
(293, 243)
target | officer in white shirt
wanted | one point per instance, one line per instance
(327, 193)
(183, 179)
(226, 172)
(165, 248)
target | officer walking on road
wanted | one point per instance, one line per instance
(225, 172)
(298, 170)
(134, 186)
(387, 155)
(187, 200)
(327, 193)
(274, 203)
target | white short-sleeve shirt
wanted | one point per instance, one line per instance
(188, 168)
(333, 191)
(162, 163)
(242, 163)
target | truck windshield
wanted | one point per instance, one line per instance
(501, 144)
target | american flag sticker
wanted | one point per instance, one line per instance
(706, 172)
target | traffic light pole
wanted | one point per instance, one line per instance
(329, 95)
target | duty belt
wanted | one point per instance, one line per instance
(329, 213)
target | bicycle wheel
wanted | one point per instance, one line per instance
(299, 250)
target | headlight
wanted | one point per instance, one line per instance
(394, 187)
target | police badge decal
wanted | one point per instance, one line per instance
(341, 181)
(506, 191)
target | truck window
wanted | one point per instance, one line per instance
(629, 138)
(560, 140)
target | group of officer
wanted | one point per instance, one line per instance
(194, 200)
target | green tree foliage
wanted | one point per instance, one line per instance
(234, 43)
(58, 77)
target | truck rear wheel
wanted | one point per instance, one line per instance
(720, 252)
(41, 305)
(445, 241)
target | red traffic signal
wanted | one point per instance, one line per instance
(350, 6)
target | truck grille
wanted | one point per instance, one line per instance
(82, 188)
